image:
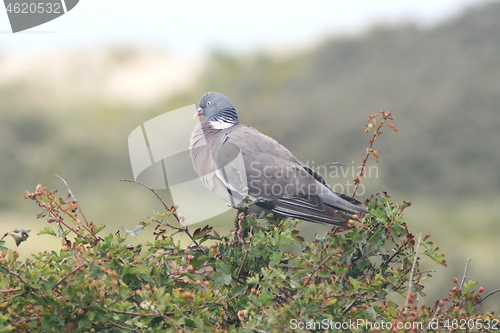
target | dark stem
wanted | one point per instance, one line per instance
(74, 198)
(184, 228)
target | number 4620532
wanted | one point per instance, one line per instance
(31, 8)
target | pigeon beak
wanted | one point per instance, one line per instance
(198, 113)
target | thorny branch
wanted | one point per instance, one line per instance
(183, 228)
(385, 115)
(74, 199)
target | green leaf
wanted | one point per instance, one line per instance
(266, 297)
(199, 324)
(35, 276)
(224, 268)
(355, 284)
(238, 290)
(47, 231)
(276, 257)
(222, 278)
(468, 285)
(311, 308)
(253, 279)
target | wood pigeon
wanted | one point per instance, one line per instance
(240, 164)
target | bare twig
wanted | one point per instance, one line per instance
(438, 309)
(411, 272)
(242, 263)
(58, 219)
(485, 297)
(149, 188)
(184, 228)
(385, 116)
(241, 230)
(465, 274)
(66, 276)
(398, 251)
(18, 276)
(330, 163)
(10, 290)
(348, 307)
(74, 199)
(124, 327)
(320, 265)
(138, 314)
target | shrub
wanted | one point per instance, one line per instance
(345, 279)
(365, 278)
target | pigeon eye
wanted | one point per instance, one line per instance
(208, 103)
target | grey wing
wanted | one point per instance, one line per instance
(257, 166)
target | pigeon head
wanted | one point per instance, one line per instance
(217, 108)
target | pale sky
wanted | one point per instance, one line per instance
(193, 26)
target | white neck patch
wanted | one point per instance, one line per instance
(218, 124)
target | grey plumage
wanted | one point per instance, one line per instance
(236, 162)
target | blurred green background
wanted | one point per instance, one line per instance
(69, 112)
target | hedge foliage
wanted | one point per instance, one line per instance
(363, 279)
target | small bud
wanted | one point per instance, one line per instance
(242, 313)
(481, 289)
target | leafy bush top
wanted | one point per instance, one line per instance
(232, 283)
